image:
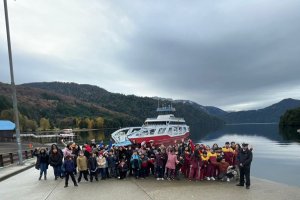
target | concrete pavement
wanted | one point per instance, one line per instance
(26, 186)
(14, 169)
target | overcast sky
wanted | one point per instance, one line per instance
(233, 54)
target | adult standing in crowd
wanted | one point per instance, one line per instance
(55, 160)
(245, 159)
(42, 163)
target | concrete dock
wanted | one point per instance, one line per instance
(25, 185)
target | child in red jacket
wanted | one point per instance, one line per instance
(195, 166)
(204, 167)
(122, 167)
(223, 167)
(144, 166)
(212, 165)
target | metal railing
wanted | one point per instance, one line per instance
(11, 158)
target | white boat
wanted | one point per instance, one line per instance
(67, 130)
(121, 135)
(67, 134)
(165, 129)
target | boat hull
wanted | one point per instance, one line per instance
(160, 139)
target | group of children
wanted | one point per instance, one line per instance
(192, 161)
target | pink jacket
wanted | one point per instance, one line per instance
(171, 163)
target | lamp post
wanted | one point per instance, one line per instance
(13, 87)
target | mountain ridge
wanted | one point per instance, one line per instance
(62, 99)
(269, 114)
(58, 100)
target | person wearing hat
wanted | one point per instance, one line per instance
(245, 158)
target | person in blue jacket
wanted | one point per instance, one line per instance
(69, 170)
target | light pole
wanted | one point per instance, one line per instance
(13, 87)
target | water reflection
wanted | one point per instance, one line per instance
(290, 133)
(270, 131)
(87, 136)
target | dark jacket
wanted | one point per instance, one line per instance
(55, 159)
(159, 160)
(123, 168)
(42, 158)
(179, 164)
(111, 161)
(69, 166)
(92, 163)
(245, 157)
(87, 154)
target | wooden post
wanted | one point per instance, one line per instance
(1, 161)
(11, 157)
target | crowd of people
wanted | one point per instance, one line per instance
(182, 159)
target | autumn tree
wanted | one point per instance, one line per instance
(83, 124)
(44, 124)
(7, 114)
(31, 125)
(90, 123)
(68, 122)
(99, 123)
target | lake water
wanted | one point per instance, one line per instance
(276, 154)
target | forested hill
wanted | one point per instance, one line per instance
(68, 104)
(265, 115)
(291, 118)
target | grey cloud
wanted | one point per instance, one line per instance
(230, 66)
(221, 53)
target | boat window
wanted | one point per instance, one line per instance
(135, 129)
(156, 123)
(152, 131)
(177, 123)
(145, 132)
(137, 134)
(175, 131)
(161, 130)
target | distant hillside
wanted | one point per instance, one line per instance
(211, 110)
(35, 103)
(290, 118)
(265, 115)
(56, 100)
